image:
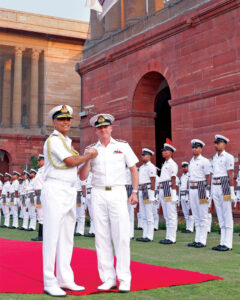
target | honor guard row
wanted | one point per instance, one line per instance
(23, 193)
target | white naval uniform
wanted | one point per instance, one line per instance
(88, 184)
(146, 172)
(6, 193)
(31, 206)
(24, 192)
(59, 213)
(169, 170)
(20, 200)
(110, 211)
(220, 165)
(156, 205)
(37, 186)
(80, 208)
(198, 169)
(185, 202)
(14, 205)
(130, 206)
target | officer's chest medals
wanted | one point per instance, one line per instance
(117, 151)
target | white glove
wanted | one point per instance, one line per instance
(174, 197)
(151, 195)
(208, 197)
(83, 200)
(233, 196)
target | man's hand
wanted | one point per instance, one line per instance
(133, 199)
(93, 152)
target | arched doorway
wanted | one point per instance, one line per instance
(151, 114)
(4, 162)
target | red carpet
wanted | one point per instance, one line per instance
(21, 271)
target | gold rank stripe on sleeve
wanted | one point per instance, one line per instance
(121, 141)
(71, 151)
(91, 145)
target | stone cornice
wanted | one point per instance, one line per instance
(146, 39)
(208, 94)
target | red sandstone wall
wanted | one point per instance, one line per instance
(199, 55)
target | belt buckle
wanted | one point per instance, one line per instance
(108, 188)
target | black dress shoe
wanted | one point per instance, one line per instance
(78, 234)
(29, 229)
(4, 226)
(132, 238)
(155, 229)
(163, 242)
(89, 235)
(146, 240)
(186, 231)
(21, 228)
(140, 239)
(139, 228)
(12, 227)
(217, 248)
(37, 239)
(193, 244)
(199, 245)
(224, 248)
(169, 242)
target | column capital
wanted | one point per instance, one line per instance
(36, 52)
(19, 51)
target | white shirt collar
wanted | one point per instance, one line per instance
(112, 141)
(222, 154)
(56, 132)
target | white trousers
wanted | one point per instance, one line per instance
(147, 218)
(189, 218)
(131, 216)
(14, 209)
(25, 216)
(80, 211)
(155, 207)
(200, 215)
(112, 224)
(140, 212)
(209, 222)
(6, 213)
(170, 215)
(40, 215)
(224, 214)
(59, 217)
(89, 206)
(32, 214)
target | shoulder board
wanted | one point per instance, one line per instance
(122, 141)
(91, 145)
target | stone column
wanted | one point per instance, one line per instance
(134, 10)
(6, 97)
(154, 5)
(34, 89)
(97, 27)
(113, 18)
(17, 88)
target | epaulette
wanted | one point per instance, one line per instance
(121, 141)
(91, 145)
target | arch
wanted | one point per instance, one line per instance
(151, 113)
(4, 161)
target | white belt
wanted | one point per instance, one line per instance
(109, 188)
(68, 183)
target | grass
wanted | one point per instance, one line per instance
(223, 264)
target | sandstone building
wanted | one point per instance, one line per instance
(37, 71)
(166, 69)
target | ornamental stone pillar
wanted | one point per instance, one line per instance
(6, 96)
(113, 18)
(134, 10)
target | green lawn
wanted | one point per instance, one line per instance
(204, 260)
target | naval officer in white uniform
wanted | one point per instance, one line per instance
(59, 203)
(109, 203)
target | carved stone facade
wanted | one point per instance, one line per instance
(37, 71)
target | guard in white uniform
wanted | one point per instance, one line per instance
(1, 206)
(131, 207)
(14, 199)
(147, 177)
(80, 209)
(37, 186)
(59, 203)
(31, 201)
(168, 194)
(199, 193)
(25, 200)
(184, 198)
(109, 201)
(6, 199)
(223, 191)
(87, 191)
(20, 180)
